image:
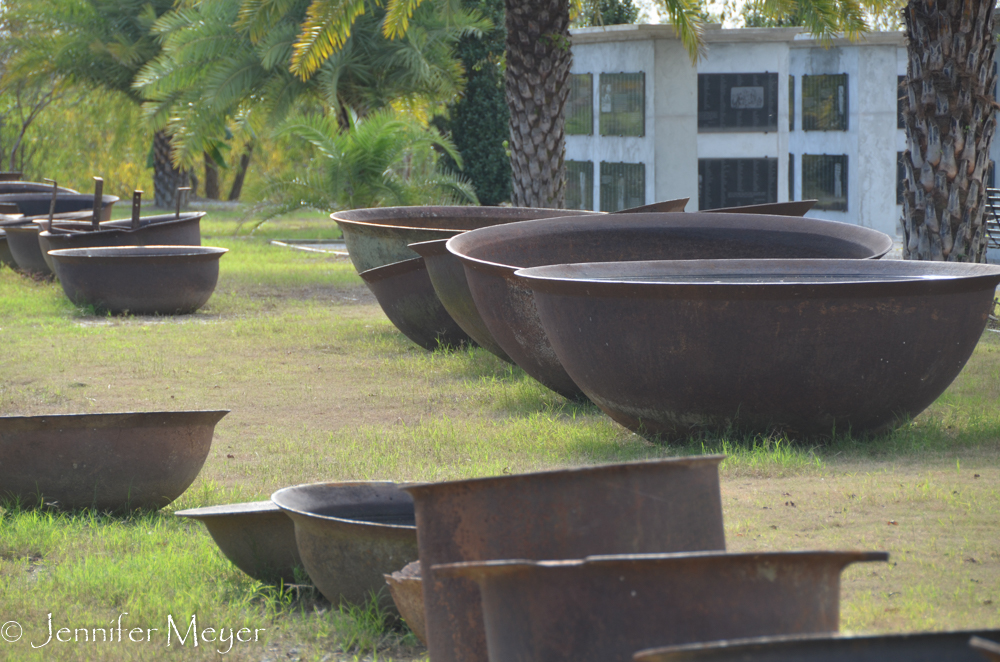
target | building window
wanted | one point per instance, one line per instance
(791, 103)
(735, 182)
(623, 185)
(580, 185)
(824, 178)
(737, 102)
(900, 102)
(791, 176)
(580, 105)
(824, 103)
(900, 177)
(623, 104)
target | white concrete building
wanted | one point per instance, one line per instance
(644, 123)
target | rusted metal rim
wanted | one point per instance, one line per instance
(792, 208)
(432, 248)
(258, 537)
(109, 420)
(906, 647)
(496, 568)
(139, 254)
(37, 203)
(465, 245)
(285, 499)
(759, 279)
(406, 295)
(581, 473)
(445, 219)
(988, 649)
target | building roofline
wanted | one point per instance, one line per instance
(716, 34)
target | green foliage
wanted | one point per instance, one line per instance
(607, 12)
(385, 158)
(479, 122)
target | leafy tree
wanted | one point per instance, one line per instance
(606, 12)
(384, 158)
(950, 89)
(478, 121)
(96, 43)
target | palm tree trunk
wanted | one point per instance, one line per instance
(949, 120)
(241, 172)
(538, 62)
(211, 177)
(166, 178)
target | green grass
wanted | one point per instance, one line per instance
(322, 387)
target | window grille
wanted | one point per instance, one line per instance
(824, 103)
(623, 185)
(623, 104)
(580, 185)
(734, 182)
(737, 102)
(791, 176)
(580, 105)
(824, 177)
(900, 102)
(791, 104)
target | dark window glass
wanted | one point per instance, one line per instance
(900, 101)
(791, 103)
(623, 104)
(737, 102)
(623, 185)
(900, 177)
(824, 103)
(791, 176)
(824, 178)
(580, 105)
(734, 182)
(580, 185)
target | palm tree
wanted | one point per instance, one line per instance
(97, 43)
(949, 118)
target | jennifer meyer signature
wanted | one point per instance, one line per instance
(117, 632)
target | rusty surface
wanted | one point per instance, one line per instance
(791, 208)
(380, 236)
(447, 275)
(141, 280)
(602, 609)
(656, 506)
(910, 647)
(22, 241)
(350, 535)
(37, 203)
(258, 537)
(407, 593)
(985, 647)
(109, 462)
(160, 230)
(406, 295)
(808, 347)
(491, 255)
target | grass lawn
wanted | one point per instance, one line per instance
(322, 387)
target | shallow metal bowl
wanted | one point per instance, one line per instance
(350, 535)
(491, 255)
(908, 647)
(603, 608)
(670, 505)
(141, 280)
(407, 297)
(807, 347)
(407, 590)
(160, 230)
(379, 236)
(109, 462)
(258, 537)
(38, 203)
